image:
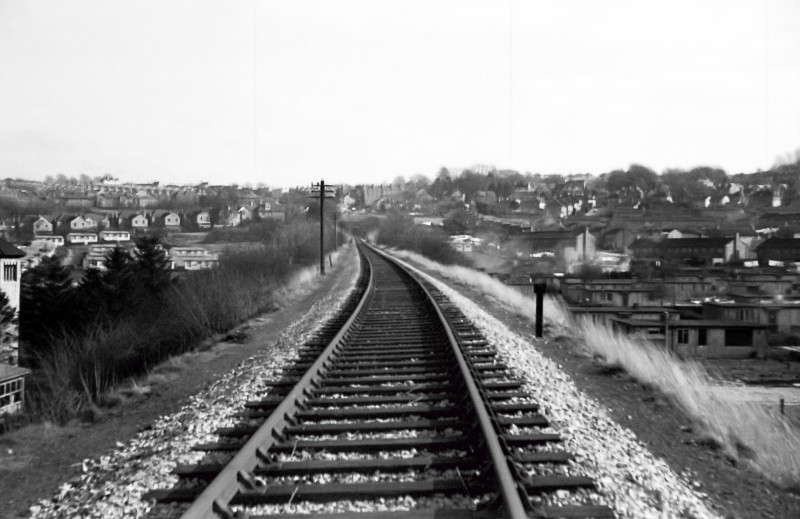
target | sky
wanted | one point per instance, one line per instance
(289, 92)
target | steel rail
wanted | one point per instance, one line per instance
(212, 503)
(507, 486)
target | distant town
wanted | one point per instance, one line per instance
(702, 262)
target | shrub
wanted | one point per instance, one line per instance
(139, 315)
(400, 232)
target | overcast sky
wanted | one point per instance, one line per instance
(288, 92)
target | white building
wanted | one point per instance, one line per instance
(115, 235)
(82, 237)
(47, 241)
(193, 258)
(10, 258)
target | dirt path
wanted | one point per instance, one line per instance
(35, 460)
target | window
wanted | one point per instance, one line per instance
(702, 337)
(738, 337)
(682, 336)
(10, 272)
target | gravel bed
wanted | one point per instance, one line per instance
(630, 479)
(302, 454)
(393, 504)
(112, 485)
(375, 476)
(399, 433)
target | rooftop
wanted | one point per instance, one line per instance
(11, 372)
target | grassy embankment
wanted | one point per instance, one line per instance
(75, 367)
(747, 431)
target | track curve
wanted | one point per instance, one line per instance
(398, 403)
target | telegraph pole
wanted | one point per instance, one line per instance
(321, 228)
(322, 196)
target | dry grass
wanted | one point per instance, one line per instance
(746, 431)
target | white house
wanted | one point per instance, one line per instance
(96, 256)
(139, 222)
(80, 223)
(42, 226)
(10, 258)
(193, 258)
(49, 241)
(172, 220)
(115, 235)
(82, 237)
(204, 219)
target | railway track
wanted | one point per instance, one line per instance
(399, 402)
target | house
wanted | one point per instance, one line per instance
(82, 237)
(72, 256)
(248, 200)
(12, 388)
(778, 249)
(77, 200)
(172, 221)
(115, 235)
(245, 213)
(79, 223)
(700, 337)
(231, 219)
(192, 258)
(42, 226)
(271, 211)
(203, 219)
(10, 258)
(571, 246)
(108, 200)
(603, 315)
(96, 256)
(139, 222)
(431, 220)
(777, 315)
(47, 241)
(145, 199)
(693, 251)
(96, 220)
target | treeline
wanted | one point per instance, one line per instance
(399, 231)
(83, 339)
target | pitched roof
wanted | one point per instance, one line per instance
(9, 251)
(675, 243)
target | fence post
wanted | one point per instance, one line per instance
(539, 289)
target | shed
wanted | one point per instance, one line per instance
(12, 388)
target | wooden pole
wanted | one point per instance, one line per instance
(539, 289)
(321, 228)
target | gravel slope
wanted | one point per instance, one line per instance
(631, 480)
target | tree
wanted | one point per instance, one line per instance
(642, 177)
(85, 180)
(47, 308)
(152, 272)
(8, 318)
(420, 181)
(459, 222)
(470, 183)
